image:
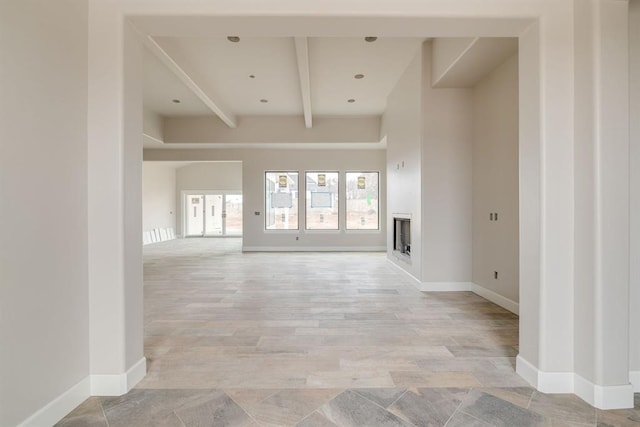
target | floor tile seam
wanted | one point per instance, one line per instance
(469, 415)
(459, 410)
(179, 418)
(104, 414)
(399, 397)
(380, 406)
(321, 405)
(242, 407)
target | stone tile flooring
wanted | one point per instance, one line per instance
(322, 339)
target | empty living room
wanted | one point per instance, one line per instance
(329, 213)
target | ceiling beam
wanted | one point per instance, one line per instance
(225, 115)
(302, 55)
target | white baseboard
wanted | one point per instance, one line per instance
(546, 382)
(118, 384)
(604, 397)
(495, 298)
(601, 397)
(59, 407)
(314, 248)
(634, 378)
(445, 286)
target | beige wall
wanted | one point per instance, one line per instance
(44, 326)
(153, 125)
(205, 176)
(256, 161)
(158, 196)
(495, 180)
(402, 126)
(446, 182)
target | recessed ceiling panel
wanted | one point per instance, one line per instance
(161, 87)
(350, 76)
(224, 70)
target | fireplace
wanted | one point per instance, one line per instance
(402, 236)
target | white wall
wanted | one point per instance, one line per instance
(158, 195)
(256, 161)
(115, 201)
(153, 124)
(446, 52)
(495, 180)
(44, 315)
(402, 126)
(634, 96)
(214, 176)
(601, 178)
(447, 135)
(274, 129)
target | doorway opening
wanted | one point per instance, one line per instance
(212, 214)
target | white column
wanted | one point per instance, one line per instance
(601, 350)
(546, 202)
(116, 357)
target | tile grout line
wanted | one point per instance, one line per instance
(380, 406)
(241, 407)
(458, 408)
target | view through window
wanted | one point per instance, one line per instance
(362, 200)
(281, 200)
(322, 200)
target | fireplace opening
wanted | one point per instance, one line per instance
(402, 236)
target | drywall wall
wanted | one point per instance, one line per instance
(158, 195)
(153, 125)
(44, 313)
(274, 129)
(446, 181)
(256, 161)
(115, 201)
(402, 127)
(446, 51)
(205, 176)
(601, 196)
(634, 96)
(495, 181)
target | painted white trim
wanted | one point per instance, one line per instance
(59, 407)
(601, 397)
(118, 384)
(604, 397)
(546, 382)
(395, 262)
(634, 378)
(496, 298)
(136, 373)
(314, 248)
(445, 286)
(527, 371)
(152, 138)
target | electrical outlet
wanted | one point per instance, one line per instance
(297, 238)
(495, 274)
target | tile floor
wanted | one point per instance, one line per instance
(322, 339)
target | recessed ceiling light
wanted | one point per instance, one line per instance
(370, 39)
(175, 101)
(351, 101)
(358, 76)
(264, 101)
(251, 76)
(233, 39)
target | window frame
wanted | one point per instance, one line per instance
(266, 200)
(338, 229)
(346, 212)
